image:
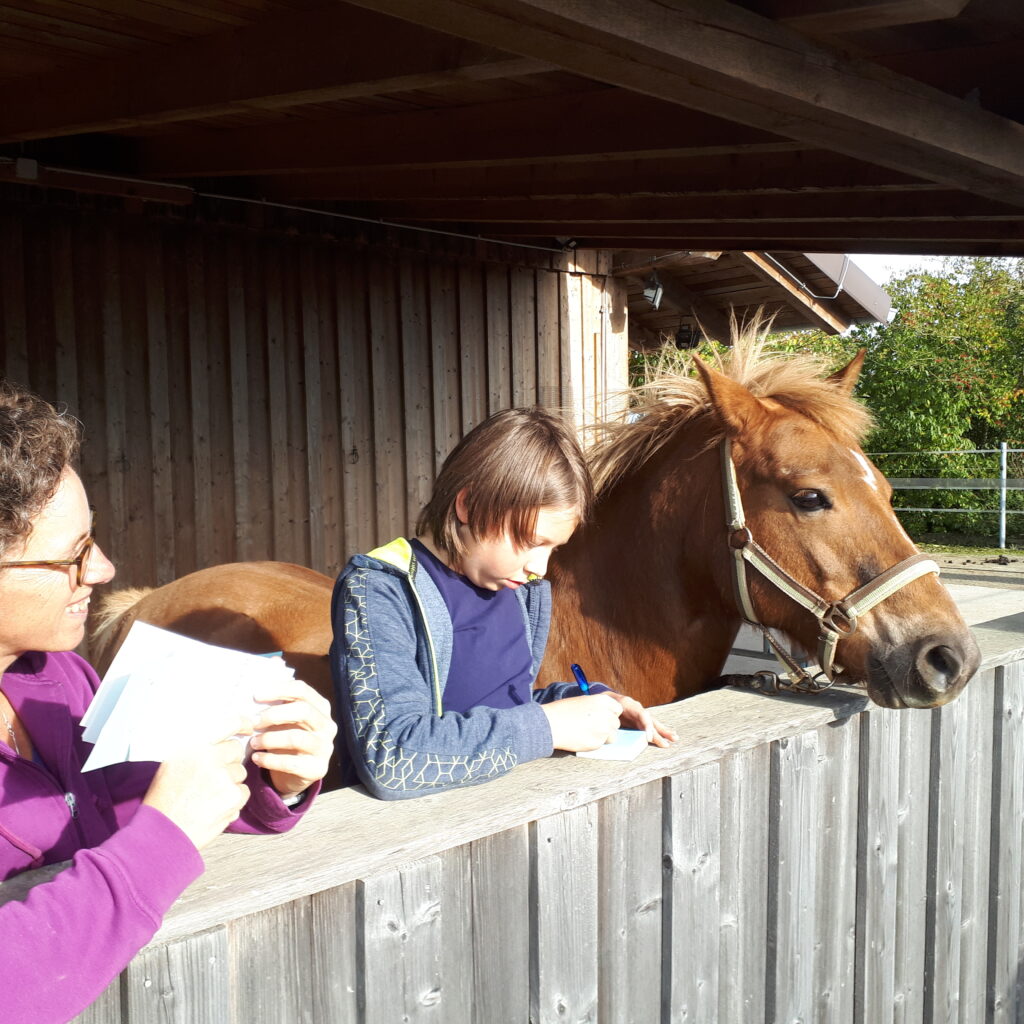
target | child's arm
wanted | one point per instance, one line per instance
(387, 708)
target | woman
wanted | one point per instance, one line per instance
(132, 831)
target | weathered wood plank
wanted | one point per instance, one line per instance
(416, 953)
(446, 384)
(836, 908)
(631, 904)
(912, 882)
(946, 877)
(500, 908)
(108, 1008)
(386, 375)
(187, 982)
(793, 881)
(354, 362)
(878, 854)
(334, 972)
(417, 391)
(270, 955)
(312, 372)
(974, 907)
(472, 345)
(499, 356)
(564, 951)
(523, 340)
(744, 872)
(693, 886)
(1005, 979)
(549, 356)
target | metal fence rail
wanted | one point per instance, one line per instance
(1003, 484)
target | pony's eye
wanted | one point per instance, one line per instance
(810, 500)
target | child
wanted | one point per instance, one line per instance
(438, 641)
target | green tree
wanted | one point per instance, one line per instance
(946, 373)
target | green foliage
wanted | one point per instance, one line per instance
(947, 372)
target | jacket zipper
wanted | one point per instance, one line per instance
(426, 630)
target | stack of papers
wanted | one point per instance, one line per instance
(165, 693)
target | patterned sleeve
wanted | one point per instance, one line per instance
(387, 704)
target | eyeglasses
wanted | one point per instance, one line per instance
(80, 561)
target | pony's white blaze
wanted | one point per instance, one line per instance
(869, 475)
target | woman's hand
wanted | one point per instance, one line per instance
(294, 742)
(636, 716)
(203, 791)
(582, 723)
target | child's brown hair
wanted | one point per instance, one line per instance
(511, 465)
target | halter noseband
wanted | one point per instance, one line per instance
(836, 621)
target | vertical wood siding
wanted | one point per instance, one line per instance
(851, 871)
(249, 394)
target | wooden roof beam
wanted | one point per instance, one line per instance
(830, 17)
(770, 173)
(821, 312)
(566, 126)
(710, 319)
(294, 58)
(718, 57)
(832, 206)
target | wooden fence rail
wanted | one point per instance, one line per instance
(791, 859)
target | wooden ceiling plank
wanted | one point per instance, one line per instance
(283, 61)
(539, 127)
(718, 57)
(822, 312)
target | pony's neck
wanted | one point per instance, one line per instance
(636, 601)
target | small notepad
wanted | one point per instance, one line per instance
(627, 745)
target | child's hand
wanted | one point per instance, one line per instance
(297, 737)
(636, 716)
(583, 723)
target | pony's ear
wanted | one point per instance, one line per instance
(735, 405)
(847, 377)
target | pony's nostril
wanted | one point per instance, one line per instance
(940, 666)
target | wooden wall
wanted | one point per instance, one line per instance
(271, 387)
(790, 859)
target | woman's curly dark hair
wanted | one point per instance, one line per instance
(37, 443)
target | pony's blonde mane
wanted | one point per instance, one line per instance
(110, 608)
(674, 399)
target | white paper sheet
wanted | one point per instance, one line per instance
(625, 746)
(165, 693)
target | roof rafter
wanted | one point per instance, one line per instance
(569, 125)
(721, 58)
(284, 61)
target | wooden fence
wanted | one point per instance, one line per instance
(791, 859)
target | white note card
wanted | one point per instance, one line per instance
(165, 693)
(627, 745)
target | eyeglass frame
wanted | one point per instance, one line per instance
(80, 561)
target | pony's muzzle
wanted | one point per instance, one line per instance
(931, 673)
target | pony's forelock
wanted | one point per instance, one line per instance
(672, 399)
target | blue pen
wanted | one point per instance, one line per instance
(581, 678)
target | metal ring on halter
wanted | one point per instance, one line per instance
(740, 538)
(839, 620)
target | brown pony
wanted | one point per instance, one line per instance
(643, 593)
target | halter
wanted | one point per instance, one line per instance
(836, 621)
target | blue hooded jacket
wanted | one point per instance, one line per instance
(390, 657)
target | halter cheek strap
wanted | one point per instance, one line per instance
(836, 620)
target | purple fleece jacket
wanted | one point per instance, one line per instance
(70, 937)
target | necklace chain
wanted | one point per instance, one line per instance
(10, 731)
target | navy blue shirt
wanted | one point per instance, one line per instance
(491, 663)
